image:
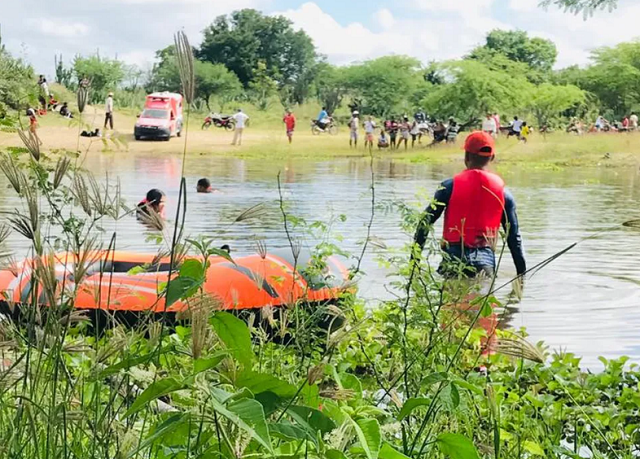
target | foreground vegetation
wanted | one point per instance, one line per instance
(426, 375)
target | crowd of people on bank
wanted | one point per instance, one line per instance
(628, 123)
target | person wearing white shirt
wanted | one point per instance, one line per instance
(369, 127)
(108, 111)
(489, 125)
(633, 121)
(241, 119)
(516, 126)
(353, 126)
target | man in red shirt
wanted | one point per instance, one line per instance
(290, 123)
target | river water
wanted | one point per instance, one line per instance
(586, 302)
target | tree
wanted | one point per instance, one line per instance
(548, 101)
(614, 78)
(246, 37)
(384, 85)
(331, 86)
(471, 89)
(212, 80)
(262, 88)
(17, 82)
(215, 80)
(586, 7)
(538, 53)
(103, 74)
(64, 76)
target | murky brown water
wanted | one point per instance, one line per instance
(586, 302)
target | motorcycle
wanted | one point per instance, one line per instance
(221, 121)
(330, 127)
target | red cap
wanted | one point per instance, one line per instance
(478, 141)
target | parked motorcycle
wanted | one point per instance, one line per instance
(221, 121)
(318, 128)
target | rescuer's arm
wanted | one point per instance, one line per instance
(510, 225)
(433, 211)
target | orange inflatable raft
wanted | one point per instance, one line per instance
(248, 283)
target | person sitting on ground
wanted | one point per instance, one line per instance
(95, 133)
(475, 204)
(524, 132)
(53, 103)
(154, 200)
(633, 121)
(383, 140)
(64, 110)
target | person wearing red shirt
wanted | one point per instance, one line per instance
(290, 123)
(475, 204)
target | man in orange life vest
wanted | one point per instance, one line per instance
(475, 203)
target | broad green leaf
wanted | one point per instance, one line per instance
(156, 390)
(534, 448)
(311, 419)
(434, 378)
(450, 396)
(181, 288)
(486, 310)
(166, 427)
(192, 268)
(208, 363)
(287, 431)
(456, 446)
(411, 405)
(251, 412)
(263, 382)
(389, 452)
(334, 454)
(221, 253)
(351, 382)
(269, 401)
(248, 415)
(129, 362)
(235, 335)
(467, 385)
(368, 432)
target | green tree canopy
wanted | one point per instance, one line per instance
(547, 101)
(17, 82)
(614, 77)
(538, 53)
(331, 85)
(104, 74)
(212, 80)
(469, 89)
(384, 85)
(246, 37)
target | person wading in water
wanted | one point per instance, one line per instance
(476, 203)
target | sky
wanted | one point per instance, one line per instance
(343, 30)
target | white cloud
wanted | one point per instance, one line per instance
(59, 27)
(384, 18)
(573, 35)
(465, 8)
(426, 37)
(344, 44)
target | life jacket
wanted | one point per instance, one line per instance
(475, 209)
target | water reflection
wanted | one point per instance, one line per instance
(586, 301)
